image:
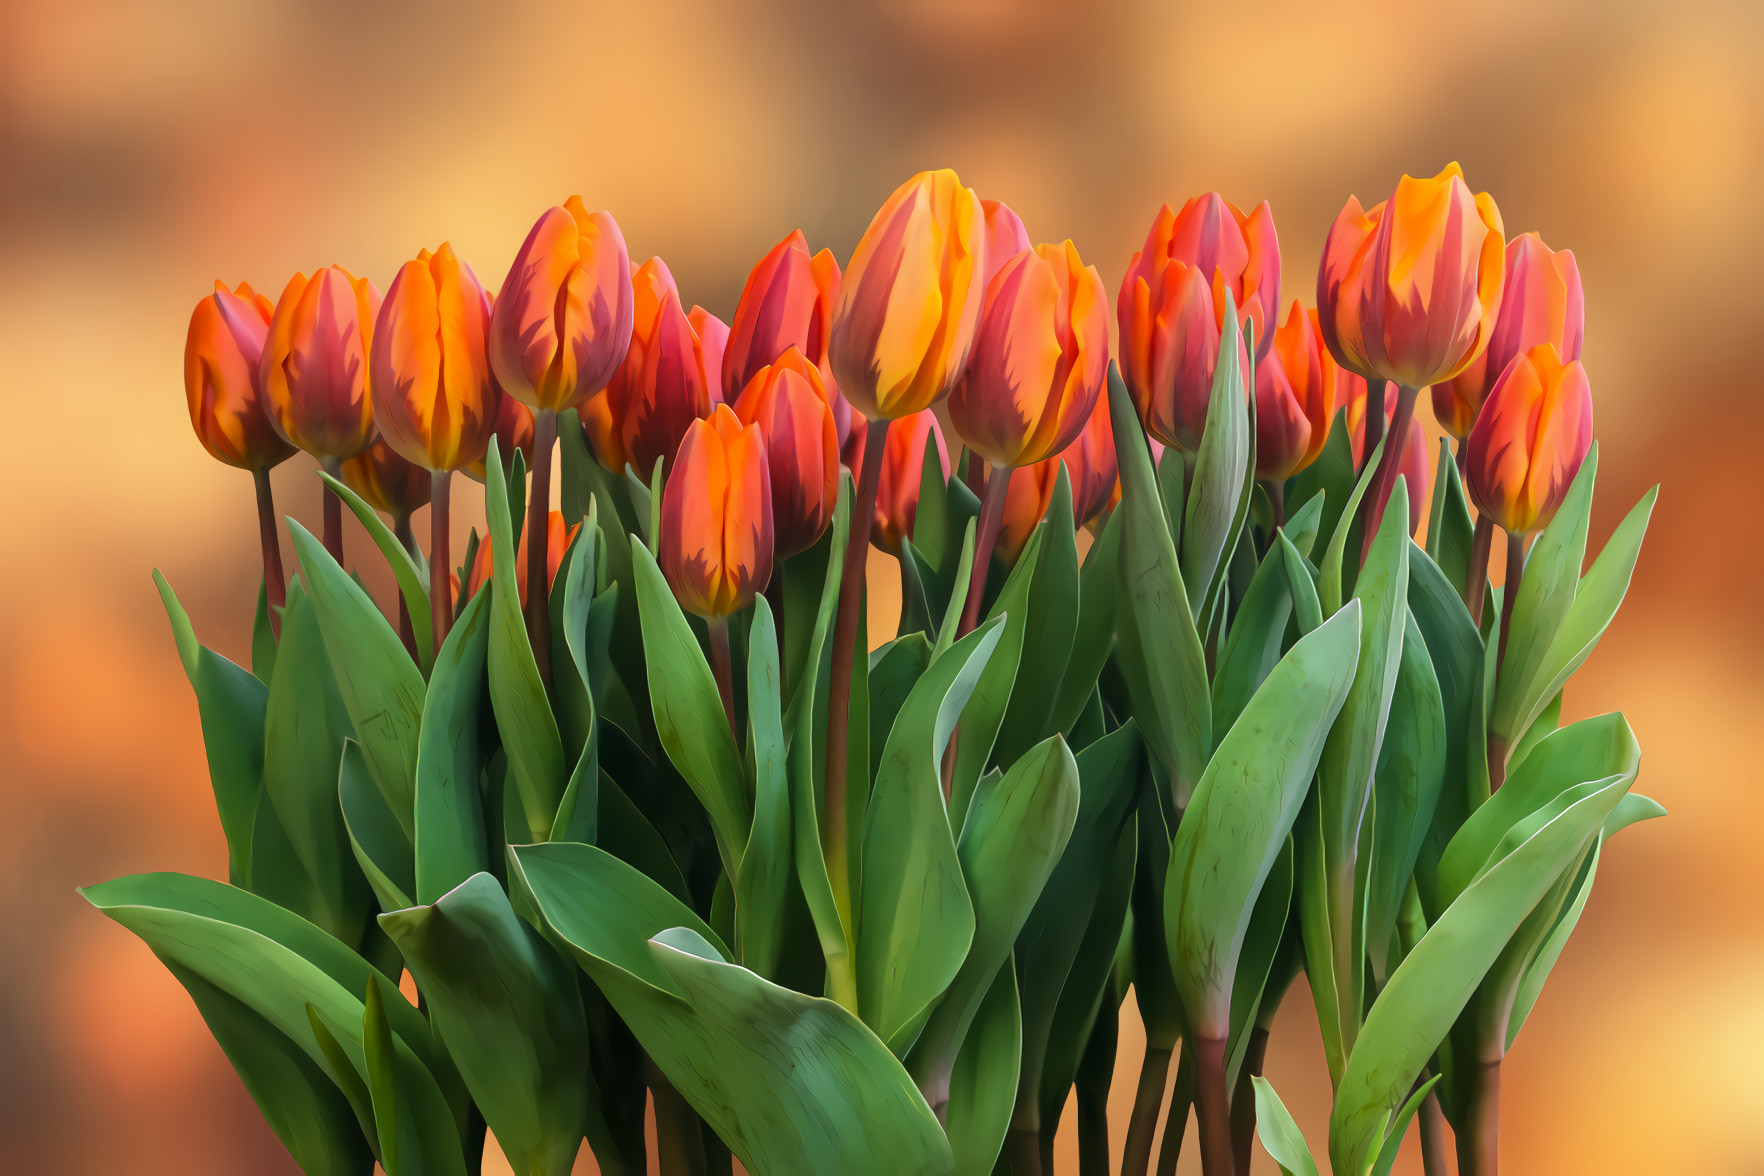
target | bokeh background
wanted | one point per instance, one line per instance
(147, 148)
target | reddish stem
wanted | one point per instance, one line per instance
(1243, 1100)
(440, 541)
(723, 665)
(332, 507)
(1372, 431)
(998, 484)
(1142, 1125)
(538, 534)
(1384, 481)
(274, 582)
(1213, 1107)
(1479, 1146)
(406, 631)
(1476, 579)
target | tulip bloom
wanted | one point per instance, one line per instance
(558, 540)
(314, 369)
(434, 399)
(1295, 399)
(513, 431)
(1541, 302)
(1408, 292)
(1091, 466)
(222, 355)
(793, 411)
(911, 298)
(387, 482)
(1040, 358)
(716, 517)
(1027, 498)
(563, 319)
(903, 471)
(1005, 238)
(787, 302)
(1171, 308)
(1529, 440)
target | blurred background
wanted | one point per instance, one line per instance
(149, 148)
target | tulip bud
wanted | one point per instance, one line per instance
(386, 481)
(1533, 432)
(1541, 302)
(715, 545)
(1027, 498)
(563, 319)
(910, 299)
(787, 302)
(1091, 466)
(434, 400)
(558, 540)
(314, 371)
(903, 471)
(1171, 308)
(222, 357)
(1408, 292)
(513, 431)
(789, 404)
(1040, 357)
(1295, 399)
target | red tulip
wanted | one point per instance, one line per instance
(903, 469)
(715, 545)
(314, 370)
(1091, 466)
(787, 302)
(1295, 399)
(793, 411)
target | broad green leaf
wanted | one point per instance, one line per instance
(381, 849)
(381, 688)
(1256, 960)
(1393, 1142)
(1157, 646)
(984, 715)
(380, 1063)
(1221, 466)
(1547, 721)
(263, 636)
(1301, 582)
(763, 885)
(1254, 646)
(937, 529)
(451, 842)
(1280, 1136)
(1094, 638)
(508, 1011)
(1450, 533)
(916, 613)
(1048, 631)
(1330, 585)
(915, 920)
(983, 1084)
(411, 575)
(894, 669)
(1243, 807)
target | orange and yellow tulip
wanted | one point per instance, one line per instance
(434, 399)
(223, 381)
(1027, 498)
(558, 539)
(1541, 302)
(715, 545)
(563, 318)
(314, 370)
(1092, 467)
(1409, 291)
(792, 409)
(911, 298)
(1533, 432)
(1171, 308)
(1295, 398)
(387, 482)
(1040, 357)
(787, 302)
(903, 470)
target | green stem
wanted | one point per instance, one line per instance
(1372, 430)
(998, 483)
(1476, 579)
(1022, 1152)
(538, 542)
(440, 556)
(679, 1141)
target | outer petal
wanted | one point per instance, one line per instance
(603, 414)
(314, 369)
(672, 391)
(222, 357)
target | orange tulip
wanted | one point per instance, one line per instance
(513, 430)
(558, 540)
(563, 319)
(911, 298)
(1295, 399)
(1040, 357)
(1091, 466)
(1541, 302)
(1171, 308)
(434, 400)
(1027, 498)
(314, 370)
(222, 356)
(903, 469)
(716, 517)
(1529, 440)
(1408, 292)
(793, 410)
(787, 302)
(1005, 238)
(389, 483)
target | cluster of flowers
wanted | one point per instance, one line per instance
(946, 318)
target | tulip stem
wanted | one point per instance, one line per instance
(1476, 577)
(1497, 746)
(851, 583)
(1213, 1107)
(992, 506)
(440, 556)
(1176, 1118)
(1243, 1099)
(1384, 481)
(406, 630)
(1372, 428)
(1142, 1124)
(723, 664)
(538, 534)
(1432, 1131)
(1479, 1143)
(275, 584)
(332, 507)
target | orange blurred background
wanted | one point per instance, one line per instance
(149, 148)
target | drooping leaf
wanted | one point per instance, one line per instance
(762, 888)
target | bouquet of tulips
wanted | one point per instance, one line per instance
(626, 810)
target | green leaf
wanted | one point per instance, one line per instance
(1331, 475)
(984, 716)
(263, 636)
(1301, 582)
(1393, 1142)
(1256, 960)
(983, 1084)
(1219, 470)
(1048, 631)
(380, 1058)
(914, 918)
(1280, 1136)
(1243, 807)
(893, 670)
(1548, 721)
(1304, 525)
(1254, 645)
(763, 886)
(1330, 585)
(509, 1013)
(630, 836)
(412, 576)
(517, 696)
(381, 688)
(1450, 533)
(1094, 638)
(1157, 645)
(451, 841)
(381, 848)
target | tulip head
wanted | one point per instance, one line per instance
(1541, 302)
(314, 370)
(1091, 466)
(787, 302)
(1005, 238)
(388, 483)
(910, 298)
(563, 318)
(434, 400)
(513, 433)
(557, 542)
(222, 378)
(1027, 498)
(1409, 291)
(715, 545)
(1295, 399)
(1040, 358)
(795, 416)
(1526, 447)
(903, 469)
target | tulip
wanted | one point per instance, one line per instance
(1171, 308)
(787, 302)
(514, 431)
(558, 540)
(1541, 302)
(1091, 466)
(1295, 400)
(1030, 492)
(224, 384)
(903, 471)
(1529, 440)
(1005, 238)
(794, 413)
